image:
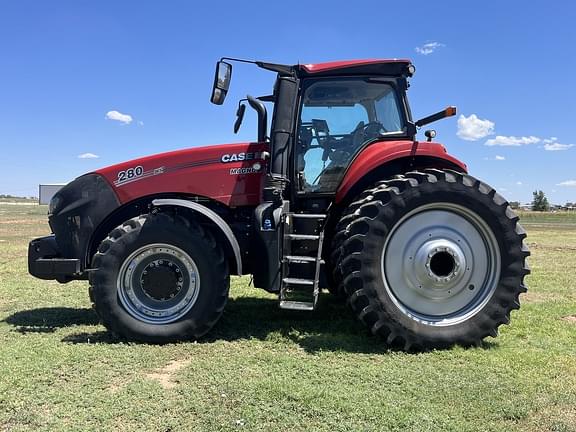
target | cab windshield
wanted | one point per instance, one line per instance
(338, 118)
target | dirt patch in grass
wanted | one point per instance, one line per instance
(551, 418)
(570, 319)
(166, 376)
(115, 387)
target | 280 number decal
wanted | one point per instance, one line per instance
(130, 173)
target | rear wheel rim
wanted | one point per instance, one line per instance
(158, 283)
(441, 264)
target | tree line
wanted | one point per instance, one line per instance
(540, 202)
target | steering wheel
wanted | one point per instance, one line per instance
(365, 130)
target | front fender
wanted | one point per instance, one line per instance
(214, 217)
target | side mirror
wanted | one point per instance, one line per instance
(239, 117)
(222, 79)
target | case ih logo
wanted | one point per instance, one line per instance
(239, 157)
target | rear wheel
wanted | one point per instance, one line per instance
(433, 259)
(335, 276)
(159, 278)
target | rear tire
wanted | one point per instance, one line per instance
(432, 259)
(158, 278)
(335, 276)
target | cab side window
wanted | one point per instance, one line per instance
(338, 121)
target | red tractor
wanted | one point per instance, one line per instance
(339, 194)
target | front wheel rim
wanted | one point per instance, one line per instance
(158, 283)
(441, 264)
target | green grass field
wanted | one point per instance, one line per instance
(265, 369)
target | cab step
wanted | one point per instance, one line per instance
(297, 281)
(302, 236)
(301, 259)
(309, 216)
(296, 305)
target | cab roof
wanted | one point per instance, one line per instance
(395, 67)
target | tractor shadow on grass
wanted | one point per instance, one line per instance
(330, 328)
(50, 319)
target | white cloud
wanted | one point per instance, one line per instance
(552, 144)
(557, 146)
(512, 141)
(519, 183)
(569, 183)
(140, 123)
(472, 128)
(118, 116)
(495, 158)
(503, 189)
(428, 48)
(88, 156)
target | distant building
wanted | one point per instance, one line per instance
(47, 191)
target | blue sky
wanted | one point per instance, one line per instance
(508, 66)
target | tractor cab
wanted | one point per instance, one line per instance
(325, 116)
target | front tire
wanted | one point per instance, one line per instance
(159, 278)
(432, 259)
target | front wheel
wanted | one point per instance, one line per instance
(432, 259)
(158, 278)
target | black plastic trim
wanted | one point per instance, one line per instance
(82, 206)
(45, 261)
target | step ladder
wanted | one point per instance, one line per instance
(301, 260)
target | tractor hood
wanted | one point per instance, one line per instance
(229, 173)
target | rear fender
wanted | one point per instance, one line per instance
(404, 155)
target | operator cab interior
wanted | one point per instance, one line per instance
(338, 118)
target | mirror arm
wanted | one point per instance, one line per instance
(267, 98)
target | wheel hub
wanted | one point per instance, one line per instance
(161, 280)
(440, 261)
(442, 264)
(437, 267)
